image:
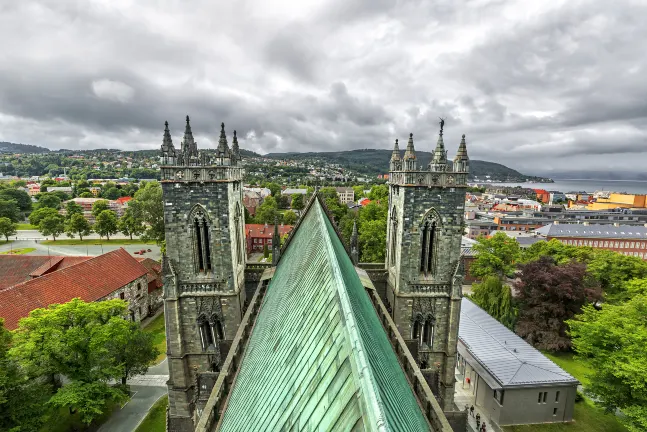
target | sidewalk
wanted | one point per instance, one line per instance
(464, 397)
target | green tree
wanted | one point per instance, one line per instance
(372, 241)
(147, 206)
(89, 399)
(38, 215)
(87, 194)
(10, 210)
(613, 271)
(130, 225)
(266, 251)
(289, 217)
(379, 193)
(7, 227)
(297, 202)
(359, 192)
(22, 401)
(72, 208)
(495, 256)
(560, 252)
(613, 340)
(22, 198)
(78, 225)
(275, 189)
(53, 225)
(111, 193)
(267, 212)
(99, 206)
(49, 200)
(106, 224)
(495, 298)
(130, 348)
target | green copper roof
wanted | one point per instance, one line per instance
(318, 357)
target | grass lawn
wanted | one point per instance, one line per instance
(5, 242)
(19, 251)
(579, 368)
(62, 421)
(73, 242)
(26, 227)
(155, 420)
(588, 418)
(159, 336)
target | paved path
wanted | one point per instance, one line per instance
(462, 397)
(76, 250)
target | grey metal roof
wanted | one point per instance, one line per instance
(468, 252)
(509, 360)
(593, 231)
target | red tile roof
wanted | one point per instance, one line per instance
(154, 273)
(89, 280)
(15, 269)
(58, 263)
(265, 231)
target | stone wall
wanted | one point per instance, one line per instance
(136, 294)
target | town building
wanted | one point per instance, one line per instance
(294, 191)
(64, 189)
(557, 197)
(346, 194)
(476, 228)
(619, 200)
(118, 206)
(259, 235)
(627, 240)
(505, 378)
(252, 200)
(57, 279)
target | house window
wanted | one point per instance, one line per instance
(122, 295)
(554, 411)
(498, 395)
(545, 395)
(542, 397)
(557, 396)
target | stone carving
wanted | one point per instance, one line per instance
(179, 175)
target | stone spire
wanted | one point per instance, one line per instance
(276, 243)
(410, 155)
(168, 150)
(439, 158)
(396, 162)
(189, 146)
(354, 253)
(223, 148)
(235, 151)
(461, 161)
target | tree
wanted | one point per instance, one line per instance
(53, 225)
(266, 251)
(267, 212)
(72, 208)
(359, 192)
(275, 189)
(297, 202)
(284, 201)
(613, 340)
(22, 401)
(548, 295)
(88, 343)
(372, 241)
(496, 299)
(289, 217)
(85, 195)
(22, 198)
(147, 206)
(495, 256)
(106, 224)
(379, 193)
(8, 227)
(77, 224)
(130, 225)
(49, 200)
(38, 215)
(10, 210)
(99, 206)
(560, 252)
(613, 271)
(111, 193)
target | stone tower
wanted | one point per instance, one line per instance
(425, 225)
(203, 268)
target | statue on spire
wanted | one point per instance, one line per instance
(442, 125)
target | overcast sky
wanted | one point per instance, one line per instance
(533, 84)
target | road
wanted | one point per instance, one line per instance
(71, 250)
(35, 235)
(146, 389)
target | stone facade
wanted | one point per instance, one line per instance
(203, 269)
(424, 230)
(136, 294)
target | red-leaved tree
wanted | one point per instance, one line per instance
(549, 294)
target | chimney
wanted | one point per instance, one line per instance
(556, 222)
(585, 223)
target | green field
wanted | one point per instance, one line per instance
(26, 226)
(62, 421)
(75, 242)
(588, 418)
(578, 367)
(155, 420)
(156, 327)
(18, 251)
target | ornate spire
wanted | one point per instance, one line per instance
(410, 155)
(439, 158)
(461, 160)
(395, 156)
(223, 148)
(189, 146)
(234, 149)
(168, 149)
(276, 243)
(354, 253)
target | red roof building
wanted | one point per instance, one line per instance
(21, 268)
(123, 200)
(259, 235)
(115, 274)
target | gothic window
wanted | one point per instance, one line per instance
(237, 223)
(416, 328)
(394, 236)
(201, 242)
(216, 324)
(207, 337)
(427, 336)
(428, 243)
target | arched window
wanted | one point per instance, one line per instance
(239, 249)
(216, 324)
(206, 333)
(394, 236)
(201, 241)
(416, 328)
(428, 243)
(427, 337)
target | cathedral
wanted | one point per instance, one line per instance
(314, 340)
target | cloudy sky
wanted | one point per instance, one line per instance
(547, 84)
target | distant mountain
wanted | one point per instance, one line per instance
(7, 147)
(597, 175)
(373, 162)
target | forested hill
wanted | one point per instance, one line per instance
(374, 162)
(7, 147)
